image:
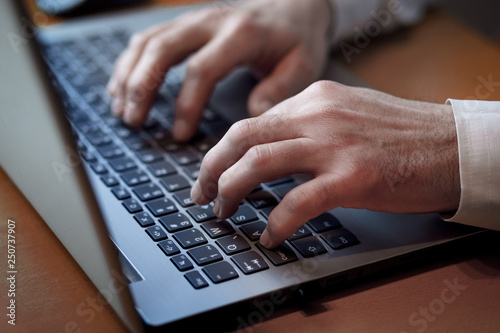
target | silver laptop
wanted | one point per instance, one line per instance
(118, 197)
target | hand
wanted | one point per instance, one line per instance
(362, 149)
(286, 41)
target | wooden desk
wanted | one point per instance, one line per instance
(434, 60)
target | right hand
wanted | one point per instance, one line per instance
(285, 41)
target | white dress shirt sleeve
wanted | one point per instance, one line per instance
(478, 134)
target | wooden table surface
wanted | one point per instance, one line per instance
(434, 60)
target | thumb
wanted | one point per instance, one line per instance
(291, 75)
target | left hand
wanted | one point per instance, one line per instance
(362, 149)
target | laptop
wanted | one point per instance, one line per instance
(118, 197)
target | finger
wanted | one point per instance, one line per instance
(301, 204)
(125, 62)
(261, 164)
(289, 77)
(239, 138)
(162, 51)
(229, 48)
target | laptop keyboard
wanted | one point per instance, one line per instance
(151, 174)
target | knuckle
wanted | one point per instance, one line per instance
(195, 68)
(239, 131)
(155, 45)
(225, 188)
(324, 87)
(259, 157)
(137, 39)
(243, 24)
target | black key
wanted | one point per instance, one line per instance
(110, 151)
(185, 157)
(99, 168)
(161, 168)
(280, 181)
(324, 222)
(267, 211)
(244, 214)
(261, 199)
(136, 143)
(309, 246)
(98, 138)
(168, 247)
(340, 238)
(190, 238)
(202, 213)
(250, 262)
(175, 183)
(302, 232)
(282, 190)
(109, 180)
(217, 228)
(148, 192)
(182, 262)
(161, 207)
(196, 279)
(184, 198)
(89, 156)
(135, 177)
(176, 222)
(253, 230)
(149, 155)
(132, 205)
(220, 272)
(193, 170)
(144, 219)
(122, 164)
(120, 193)
(281, 255)
(204, 255)
(156, 233)
(233, 244)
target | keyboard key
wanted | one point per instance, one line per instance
(302, 232)
(161, 168)
(132, 206)
(280, 181)
(176, 222)
(144, 219)
(324, 222)
(109, 180)
(233, 244)
(175, 183)
(110, 151)
(267, 211)
(149, 155)
(161, 207)
(148, 192)
(250, 262)
(89, 156)
(253, 230)
(122, 164)
(184, 198)
(182, 262)
(169, 247)
(135, 177)
(205, 255)
(193, 170)
(98, 138)
(120, 193)
(184, 157)
(244, 214)
(196, 279)
(261, 199)
(281, 255)
(202, 213)
(190, 238)
(137, 143)
(309, 246)
(218, 228)
(99, 168)
(156, 233)
(282, 190)
(340, 238)
(220, 272)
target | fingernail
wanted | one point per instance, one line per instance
(196, 193)
(181, 130)
(265, 240)
(217, 207)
